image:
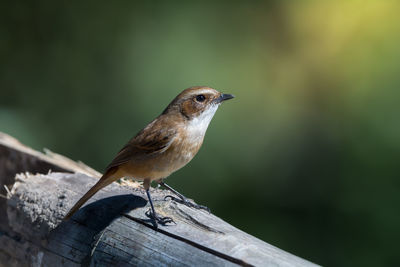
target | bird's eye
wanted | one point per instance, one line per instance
(200, 98)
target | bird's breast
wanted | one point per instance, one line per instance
(183, 149)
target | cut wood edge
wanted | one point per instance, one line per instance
(55, 159)
(48, 156)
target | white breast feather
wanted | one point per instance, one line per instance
(197, 127)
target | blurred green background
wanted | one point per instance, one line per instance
(306, 157)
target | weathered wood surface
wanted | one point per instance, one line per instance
(112, 229)
(16, 158)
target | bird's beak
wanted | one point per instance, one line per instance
(224, 97)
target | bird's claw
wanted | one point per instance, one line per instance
(158, 219)
(169, 196)
(187, 203)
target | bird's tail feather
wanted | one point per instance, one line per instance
(105, 180)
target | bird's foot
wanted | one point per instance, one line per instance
(187, 202)
(158, 219)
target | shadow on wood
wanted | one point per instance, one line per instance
(90, 221)
(99, 214)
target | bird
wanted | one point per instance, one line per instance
(164, 146)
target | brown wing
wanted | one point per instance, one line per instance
(151, 140)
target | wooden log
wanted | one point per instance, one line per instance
(112, 228)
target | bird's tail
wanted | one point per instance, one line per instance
(105, 180)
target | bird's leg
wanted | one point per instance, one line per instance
(182, 199)
(152, 213)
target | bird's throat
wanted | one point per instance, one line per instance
(197, 126)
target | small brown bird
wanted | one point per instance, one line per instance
(165, 145)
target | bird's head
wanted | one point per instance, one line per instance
(197, 102)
